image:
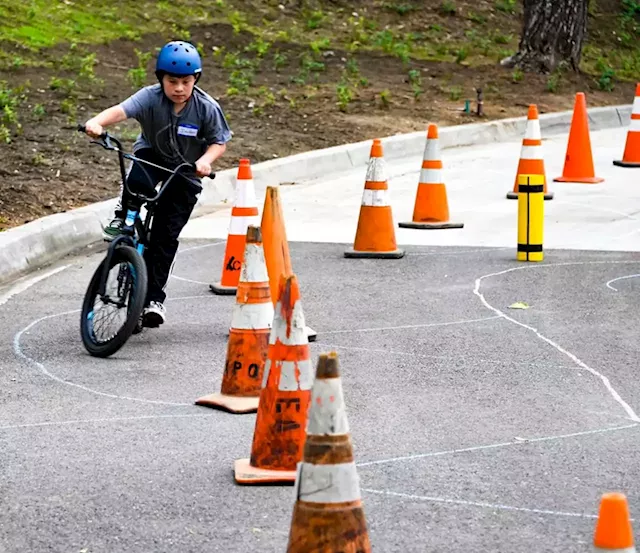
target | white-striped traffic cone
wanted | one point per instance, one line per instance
(631, 157)
(531, 158)
(243, 214)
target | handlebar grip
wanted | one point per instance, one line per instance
(81, 128)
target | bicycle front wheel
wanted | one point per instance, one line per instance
(107, 321)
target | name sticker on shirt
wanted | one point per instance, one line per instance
(187, 130)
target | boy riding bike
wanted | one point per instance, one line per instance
(180, 123)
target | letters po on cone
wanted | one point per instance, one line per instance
(279, 432)
(249, 335)
(328, 515)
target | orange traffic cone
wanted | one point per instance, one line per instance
(578, 165)
(249, 336)
(531, 158)
(328, 513)
(243, 214)
(431, 209)
(631, 157)
(276, 246)
(613, 528)
(375, 236)
(279, 432)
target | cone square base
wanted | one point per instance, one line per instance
(626, 163)
(514, 196)
(221, 290)
(580, 180)
(232, 404)
(434, 226)
(248, 475)
(355, 254)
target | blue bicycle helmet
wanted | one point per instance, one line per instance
(179, 58)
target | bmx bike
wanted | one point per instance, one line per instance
(122, 302)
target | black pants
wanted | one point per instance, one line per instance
(171, 215)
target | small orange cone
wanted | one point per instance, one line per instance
(328, 513)
(249, 335)
(531, 158)
(613, 528)
(431, 210)
(276, 246)
(578, 165)
(243, 214)
(279, 432)
(375, 236)
(631, 157)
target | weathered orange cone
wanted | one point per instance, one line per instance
(578, 164)
(243, 214)
(279, 432)
(375, 236)
(249, 335)
(328, 514)
(431, 209)
(613, 528)
(631, 157)
(276, 246)
(531, 158)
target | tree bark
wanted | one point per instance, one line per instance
(553, 32)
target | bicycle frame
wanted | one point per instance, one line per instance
(136, 232)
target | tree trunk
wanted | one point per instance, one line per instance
(553, 32)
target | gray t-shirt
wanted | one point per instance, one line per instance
(177, 138)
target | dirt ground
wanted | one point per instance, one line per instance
(51, 168)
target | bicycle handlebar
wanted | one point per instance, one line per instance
(106, 144)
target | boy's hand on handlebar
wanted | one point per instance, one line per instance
(203, 169)
(93, 129)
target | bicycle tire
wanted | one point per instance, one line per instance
(121, 254)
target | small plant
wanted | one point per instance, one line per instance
(462, 54)
(259, 46)
(66, 86)
(448, 7)
(238, 21)
(455, 93)
(138, 75)
(477, 18)
(553, 83)
(607, 75)
(400, 9)
(38, 111)
(506, 6)
(279, 60)
(385, 98)
(345, 95)
(352, 67)
(416, 83)
(317, 46)
(517, 75)
(314, 20)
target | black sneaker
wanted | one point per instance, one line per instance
(113, 229)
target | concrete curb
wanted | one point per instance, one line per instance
(45, 240)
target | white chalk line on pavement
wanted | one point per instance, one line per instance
(515, 442)
(616, 396)
(17, 349)
(481, 504)
(405, 327)
(619, 278)
(28, 283)
(191, 249)
(99, 421)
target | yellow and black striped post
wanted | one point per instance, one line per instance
(530, 217)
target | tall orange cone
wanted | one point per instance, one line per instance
(276, 246)
(631, 157)
(243, 214)
(328, 513)
(431, 209)
(375, 236)
(279, 432)
(531, 158)
(578, 164)
(249, 335)
(613, 529)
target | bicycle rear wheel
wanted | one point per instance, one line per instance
(122, 303)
